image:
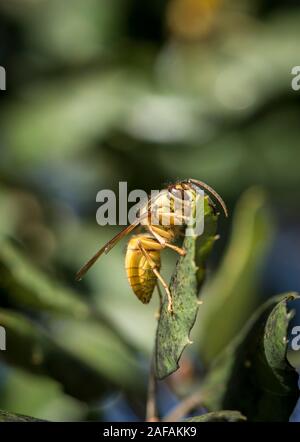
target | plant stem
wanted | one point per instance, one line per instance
(151, 406)
(185, 407)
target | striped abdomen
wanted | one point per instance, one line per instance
(139, 272)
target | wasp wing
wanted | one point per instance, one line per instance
(107, 247)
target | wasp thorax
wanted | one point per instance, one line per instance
(172, 206)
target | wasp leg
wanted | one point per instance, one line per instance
(157, 314)
(162, 241)
(159, 238)
(158, 275)
(179, 250)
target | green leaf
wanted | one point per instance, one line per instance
(253, 374)
(219, 416)
(25, 286)
(11, 417)
(232, 292)
(85, 357)
(39, 396)
(173, 330)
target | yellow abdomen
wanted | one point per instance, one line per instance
(139, 272)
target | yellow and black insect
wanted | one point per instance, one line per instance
(170, 209)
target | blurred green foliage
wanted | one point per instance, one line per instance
(232, 293)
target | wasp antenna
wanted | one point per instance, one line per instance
(212, 191)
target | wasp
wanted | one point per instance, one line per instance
(171, 210)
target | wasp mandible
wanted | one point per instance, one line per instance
(171, 210)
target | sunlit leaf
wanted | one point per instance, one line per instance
(173, 330)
